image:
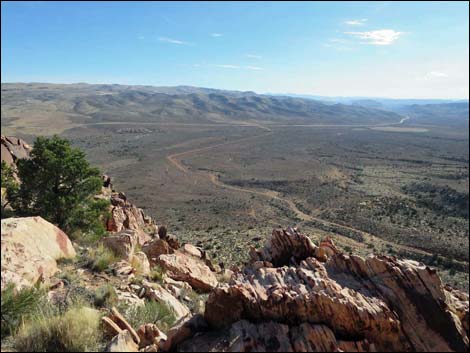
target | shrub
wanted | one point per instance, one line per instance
(105, 296)
(100, 258)
(17, 305)
(77, 330)
(151, 312)
(58, 184)
(156, 273)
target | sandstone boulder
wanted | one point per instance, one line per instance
(156, 247)
(181, 267)
(140, 263)
(154, 291)
(149, 334)
(285, 247)
(122, 342)
(12, 149)
(123, 243)
(30, 247)
(125, 215)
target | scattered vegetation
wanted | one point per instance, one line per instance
(17, 306)
(105, 296)
(100, 258)
(77, 330)
(156, 273)
(151, 312)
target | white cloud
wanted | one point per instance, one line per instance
(216, 35)
(228, 66)
(356, 22)
(436, 74)
(378, 37)
(172, 41)
(253, 56)
(256, 68)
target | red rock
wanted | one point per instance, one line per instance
(185, 268)
(149, 334)
(342, 303)
(156, 247)
(29, 250)
(13, 148)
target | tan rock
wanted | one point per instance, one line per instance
(156, 247)
(29, 249)
(377, 303)
(149, 334)
(123, 243)
(122, 342)
(154, 291)
(140, 263)
(177, 288)
(192, 250)
(125, 215)
(326, 249)
(12, 149)
(285, 246)
(185, 268)
(122, 268)
(183, 330)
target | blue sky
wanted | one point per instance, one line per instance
(408, 50)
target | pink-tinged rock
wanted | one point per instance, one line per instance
(30, 247)
(154, 291)
(123, 243)
(156, 247)
(363, 304)
(13, 148)
(192, 250)
(284, 247)
(182, 267)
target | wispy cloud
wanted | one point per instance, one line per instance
(216, 35)
(141, 37)
(436, 74)
(378, 37)
(253, 56)
(356, 22)
(172, 41)
(256, 68)
(238, 67)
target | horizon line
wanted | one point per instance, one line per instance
(290, 94)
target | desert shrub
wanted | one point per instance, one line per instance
(100, 258)
(17, 305)
(77, 330)
(151, 312)
(58, 184)
(105, 296)
(156, 273)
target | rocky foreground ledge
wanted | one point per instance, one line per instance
(295, 296)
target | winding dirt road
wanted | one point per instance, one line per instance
(176, 161)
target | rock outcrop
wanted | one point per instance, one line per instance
(125, 215)
(183, 267)
(12, 149)
(29, 249)
(296, 296)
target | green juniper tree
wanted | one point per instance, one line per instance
(58, 184)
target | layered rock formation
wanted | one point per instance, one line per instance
(12, 149)
(295, 296)
(29, 250)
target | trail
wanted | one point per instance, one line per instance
(175, 160)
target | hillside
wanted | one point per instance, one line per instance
(64, 106)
